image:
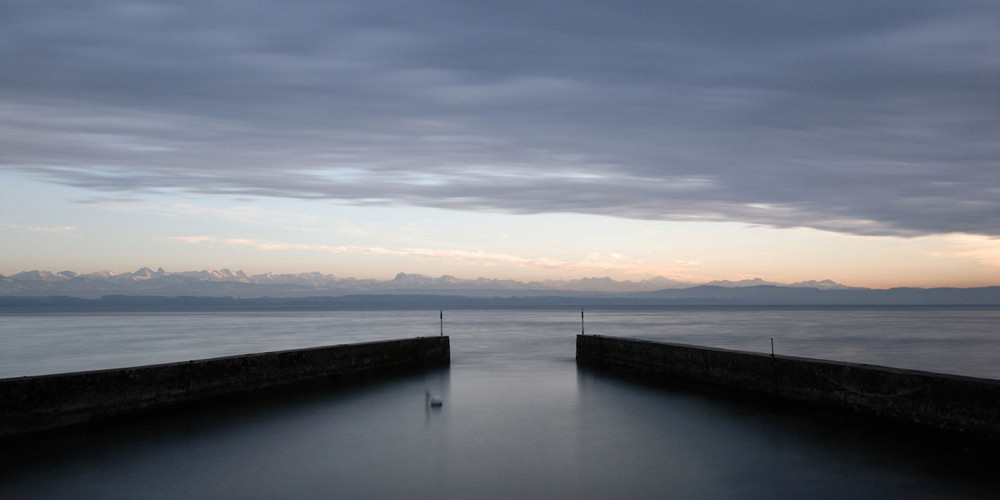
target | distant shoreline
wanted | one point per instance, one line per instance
(696, 297)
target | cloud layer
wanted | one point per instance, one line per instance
(860, 117)
(604, 263)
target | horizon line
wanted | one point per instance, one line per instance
(679, 282)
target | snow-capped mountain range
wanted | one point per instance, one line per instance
(225, 282)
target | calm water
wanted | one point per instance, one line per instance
(519, 419)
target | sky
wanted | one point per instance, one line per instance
(857, 141)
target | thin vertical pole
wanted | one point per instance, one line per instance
(441, 312)
(581, 321)
(772, 347)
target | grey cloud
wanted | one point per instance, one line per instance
(861, 117)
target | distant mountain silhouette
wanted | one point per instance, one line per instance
(787, 295)
(226, 288)
(225, 282)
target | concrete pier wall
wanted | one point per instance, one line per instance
(38, 403)
(966, 406)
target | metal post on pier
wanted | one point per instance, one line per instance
(581, 321)
(441, 312)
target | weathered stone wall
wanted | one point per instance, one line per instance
(48, 401)
(956, 404)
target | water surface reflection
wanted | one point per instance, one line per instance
(519, 420)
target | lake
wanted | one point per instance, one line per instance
(519, 419)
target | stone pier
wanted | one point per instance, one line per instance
(966, 407)
(38, 403)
